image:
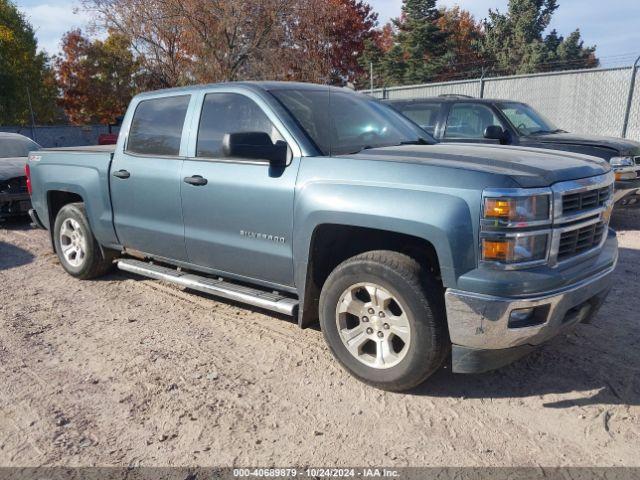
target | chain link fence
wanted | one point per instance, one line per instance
(580, 101)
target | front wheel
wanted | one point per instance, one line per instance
(77, 249)
(383, 318)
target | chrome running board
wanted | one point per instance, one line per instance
(214, 286)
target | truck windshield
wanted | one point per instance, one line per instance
(341, 123)
(526, 120)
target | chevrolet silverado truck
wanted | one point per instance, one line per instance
(322, 203)
(460, 118)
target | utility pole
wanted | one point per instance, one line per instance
(632, 86)
(33, 118)
(371, 75)
(484, 71)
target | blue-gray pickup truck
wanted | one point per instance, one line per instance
(323, 203)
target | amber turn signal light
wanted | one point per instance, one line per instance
(497, 208)
(496, 250)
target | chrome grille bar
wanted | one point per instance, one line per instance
(582, 209)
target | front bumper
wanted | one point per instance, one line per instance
(14, 204)
(485, 336)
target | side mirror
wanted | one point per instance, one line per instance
(494, 132)
(255, 146)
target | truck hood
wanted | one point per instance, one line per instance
(12, 167)
(621, 145)
(528, 167)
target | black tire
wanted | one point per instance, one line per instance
(421, 299)
(97, 261)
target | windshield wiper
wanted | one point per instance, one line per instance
(366, 147)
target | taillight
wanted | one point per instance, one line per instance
(27, 172)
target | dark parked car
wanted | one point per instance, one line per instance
(14, 195)
(463, 119)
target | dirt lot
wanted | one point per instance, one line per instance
(127, 371)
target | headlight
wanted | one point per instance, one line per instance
(516, 249)
(507, 235)
(618, 162)
(516, 211)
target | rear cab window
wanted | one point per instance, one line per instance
(156, 128)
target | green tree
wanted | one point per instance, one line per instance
(515, 40)
(24, 72)
(376, 48)
(419, 48)
(572, 54)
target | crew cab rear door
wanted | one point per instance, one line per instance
(145, 178)
(238, 212)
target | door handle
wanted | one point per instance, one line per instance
(196, 180)
(121, 174)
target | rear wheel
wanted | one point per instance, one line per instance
(78, 250)
(383, 317)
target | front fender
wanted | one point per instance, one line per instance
(443, 218)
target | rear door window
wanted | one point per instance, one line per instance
(156, 128)
(469, 120)
(425, 115)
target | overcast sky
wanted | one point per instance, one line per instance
(611, 25)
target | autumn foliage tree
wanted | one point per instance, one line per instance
(327, 39)
(157, 33)
(97, 79)
(189, 41)
(181, 42)
(463, 58)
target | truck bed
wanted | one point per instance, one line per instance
(80, 172)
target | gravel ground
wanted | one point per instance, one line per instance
(127, 371)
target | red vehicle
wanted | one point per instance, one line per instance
(107, 139)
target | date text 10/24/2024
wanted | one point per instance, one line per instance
(316, 473)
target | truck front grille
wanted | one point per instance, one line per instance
(578, 202)
(580, 240)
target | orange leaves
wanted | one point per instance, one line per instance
(96, 78)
